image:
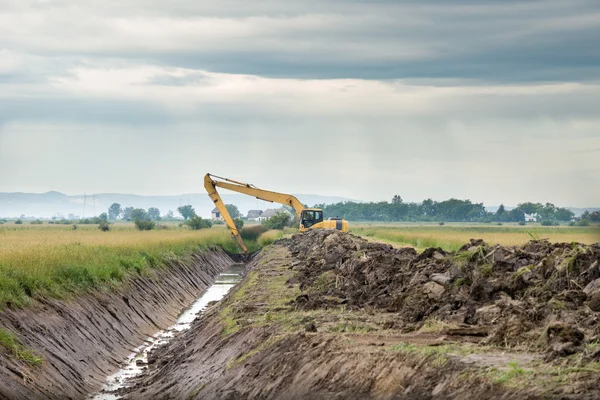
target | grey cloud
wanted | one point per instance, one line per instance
(510, 41)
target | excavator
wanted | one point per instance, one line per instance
(310, 218)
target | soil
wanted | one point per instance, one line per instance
(329, 315)
(84, 339)
(513, 295)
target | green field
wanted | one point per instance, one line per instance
(451, 237)
(58, 261)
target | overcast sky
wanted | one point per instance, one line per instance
(496, 101)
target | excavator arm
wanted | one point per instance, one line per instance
(211, 182)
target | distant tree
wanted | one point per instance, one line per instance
(500, 213)
(233, 210)
(114, 211)
(196, 223)
(428, 207)
(154, 213)
(103, 217)
(127, 213)
(139, 214)
(18, 222)
(186, 212)
(529, 208)
(397, 199)
(169, 215)
(563, 214)
(278, 221)
(585, 215)
(514, 215)
(239, 223)
(595, 216)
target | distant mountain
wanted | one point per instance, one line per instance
(45, 205)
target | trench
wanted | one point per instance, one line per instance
(136, 363)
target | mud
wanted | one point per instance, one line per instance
(538, 294)
(84, 340)
(328, 315)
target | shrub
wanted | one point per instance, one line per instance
(18, 222)
(522, 223)
(239, 224)
(549, 223)
(278, 221)
(36, 222)
(104, 226)
(442, 223)
(252, 233)
(218, 222)
(144, 225)
(583, 222)
(196, 223)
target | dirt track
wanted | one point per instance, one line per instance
(85, 339)
(328, 315)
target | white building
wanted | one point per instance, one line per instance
(254, 215)
(530, 217)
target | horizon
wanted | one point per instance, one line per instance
(343, 199)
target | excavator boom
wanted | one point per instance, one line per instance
(314, 217)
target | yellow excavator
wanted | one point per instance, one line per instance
(310, 218)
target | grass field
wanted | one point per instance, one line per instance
(452, 237)
(57, 261)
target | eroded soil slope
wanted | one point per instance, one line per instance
(83, 340)
(328, 315)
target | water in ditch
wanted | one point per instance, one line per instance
(137, 361)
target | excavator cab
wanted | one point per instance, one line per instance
(310, 217)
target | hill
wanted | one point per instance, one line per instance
(45, 205)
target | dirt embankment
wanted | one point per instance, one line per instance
(509, 295)
(85, 339)
(328, 315)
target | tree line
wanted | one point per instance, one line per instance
(452, 210)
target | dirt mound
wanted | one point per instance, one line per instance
(519, 295)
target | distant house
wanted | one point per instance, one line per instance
(267, 214)
(271, 212)
(530, 217)
(216, 215)
(254, 215)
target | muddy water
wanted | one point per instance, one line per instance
(135, 364)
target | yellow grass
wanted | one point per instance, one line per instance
(451, 238)
(55, 260)
(269, 237)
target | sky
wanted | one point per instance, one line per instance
(497, 102)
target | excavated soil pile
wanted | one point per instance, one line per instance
(539, 294)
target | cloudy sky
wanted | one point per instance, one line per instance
(496, 101)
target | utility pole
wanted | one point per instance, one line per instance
(83, 213)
